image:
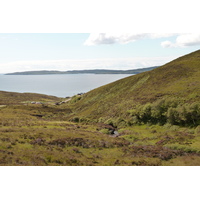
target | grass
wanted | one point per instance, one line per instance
(30, 141)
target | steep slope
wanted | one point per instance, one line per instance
(178, 80)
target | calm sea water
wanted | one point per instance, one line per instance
(56, 85)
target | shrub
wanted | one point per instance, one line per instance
(172, 116)
(166, 111)
(197, 130)
(75, 119)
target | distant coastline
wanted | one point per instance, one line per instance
(93, 71)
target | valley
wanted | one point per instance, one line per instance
(155, 113)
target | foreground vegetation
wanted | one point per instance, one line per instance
(36, 135)
(151, 119)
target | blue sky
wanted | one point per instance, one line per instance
(71, 51)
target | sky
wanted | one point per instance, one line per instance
(75, 51)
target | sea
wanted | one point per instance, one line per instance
(66, 85)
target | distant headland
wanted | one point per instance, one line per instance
(92, 71)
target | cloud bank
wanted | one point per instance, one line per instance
(182, 40)
(65, 65)
(122, 38)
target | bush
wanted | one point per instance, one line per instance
(166, 111)
(75, 119)
(172, 116)
(197, 130)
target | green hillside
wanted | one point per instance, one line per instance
(174, 84)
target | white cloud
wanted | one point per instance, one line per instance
(183, 40)
(162, 35)
(111, 38)
(188, 39)
(122, 38)
(167, 44)
(65, 65)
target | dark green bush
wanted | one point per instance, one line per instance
(166, 111)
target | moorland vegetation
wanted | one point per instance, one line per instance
(152, 119)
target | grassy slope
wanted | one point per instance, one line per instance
(7, 98)
(179, 79)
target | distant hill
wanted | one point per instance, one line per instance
(160, 95)
(93, 71)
